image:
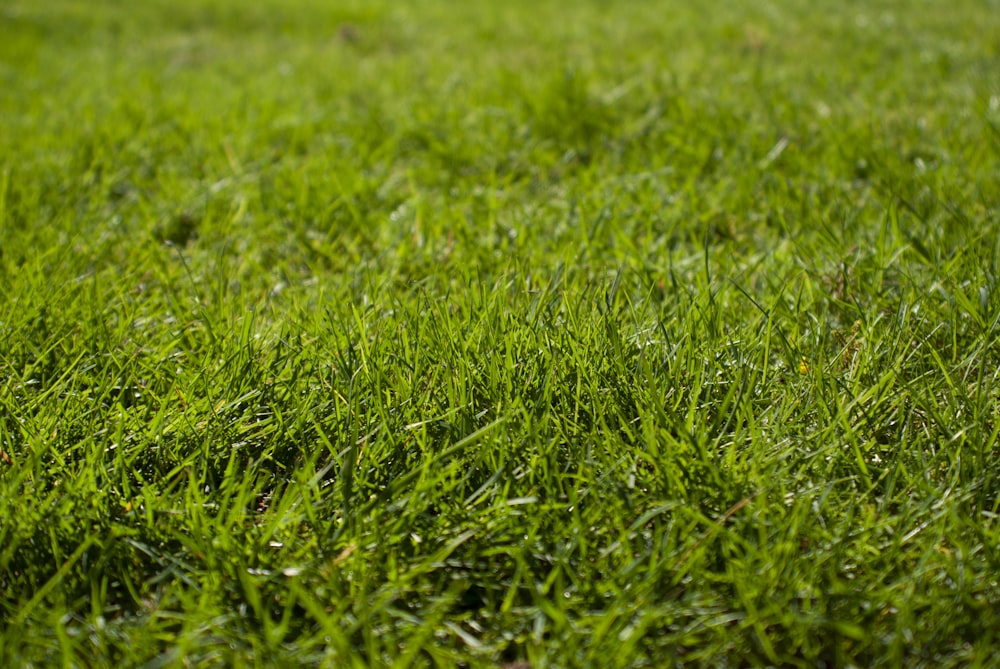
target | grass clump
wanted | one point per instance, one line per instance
(430, 336)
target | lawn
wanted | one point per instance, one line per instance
(522, 334)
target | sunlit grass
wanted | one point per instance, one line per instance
(634, 334)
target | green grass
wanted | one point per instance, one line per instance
(434, 334)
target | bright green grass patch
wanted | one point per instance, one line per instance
(616, 334)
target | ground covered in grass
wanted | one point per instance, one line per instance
(432, 334)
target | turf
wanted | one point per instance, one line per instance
(506, 333)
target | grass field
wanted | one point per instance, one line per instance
(499, 334)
